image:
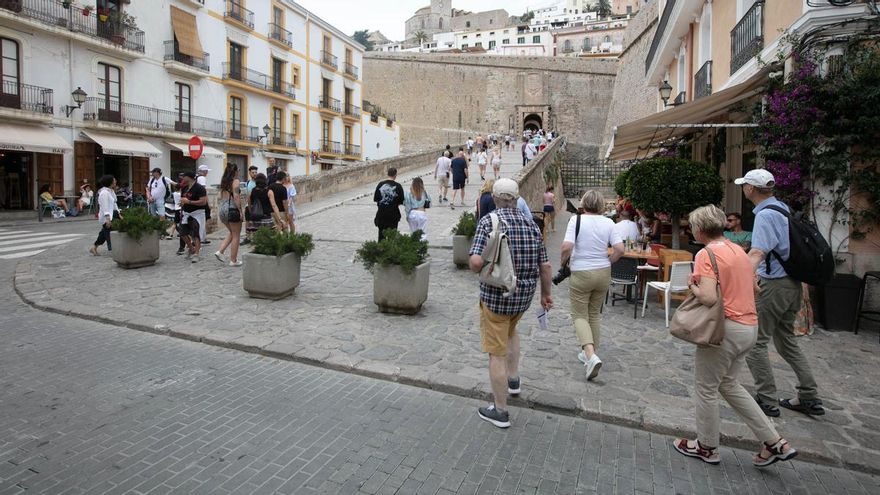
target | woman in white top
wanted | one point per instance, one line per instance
(107, 211)
(482, 160)
(291, 207)
(415, 201)
(86, 195)
(585, 250)
(495, 159)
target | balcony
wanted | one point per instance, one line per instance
(703, 81)
(236, 12)
(185, 64)
(567, 49)
(257, 80)
(352, 111)
(327, 103)
(27, 98)
(352, 149)
(351, 70)
(747, 38)
(658, 35)
(280, 35)
(195, 3)
(244, 132)
(332, 147)
(282, 139)
(85, 25)
(115, 112)
(328, 58)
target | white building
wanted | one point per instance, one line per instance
(505, 41)
(274, 84)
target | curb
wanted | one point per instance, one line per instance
(456, 385)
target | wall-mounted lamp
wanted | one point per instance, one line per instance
(79, 97)
(665, 93)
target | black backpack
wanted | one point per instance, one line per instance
(810, 259)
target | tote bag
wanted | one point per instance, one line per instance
(697, 323)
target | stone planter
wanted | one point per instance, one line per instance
(129, 253)
(270, 277)
(461, 246)
(398, 292)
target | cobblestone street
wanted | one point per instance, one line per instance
(331, 320)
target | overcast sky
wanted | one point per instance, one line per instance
(388, 16)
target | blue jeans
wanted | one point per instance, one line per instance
(156, 208)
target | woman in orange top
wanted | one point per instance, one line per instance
(716, 367)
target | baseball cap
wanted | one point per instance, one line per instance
(189, 174)
(204, 168)
(505, 187)
(758, 178)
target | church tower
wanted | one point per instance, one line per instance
(441, 15)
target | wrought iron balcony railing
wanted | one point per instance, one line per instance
(330, 147)
(567, 49)
(329, 103)
(75, 19)
(352, 149)
(257, 79)
(101, 109)
(658, 35)
(278, 33)
(282, 139)
(703, 81)
(26, 97)
(747, 38)
(352, 110)
(235, 10)
(244, 132)
(172, 53)
(328, 58)
(351, 70)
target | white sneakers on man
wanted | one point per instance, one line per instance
(592, 365)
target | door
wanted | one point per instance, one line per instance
(236, 60)
(84, 164)
(50, 170)
(140, 173)
(109, 93)
(10, 89)
(183, 98)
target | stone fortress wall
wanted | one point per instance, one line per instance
(440, 99)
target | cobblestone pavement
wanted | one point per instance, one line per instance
(92, 408)
(646, 381)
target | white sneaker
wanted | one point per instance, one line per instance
(235, 263)
(593, 366)
(582, 357)
(220, 257)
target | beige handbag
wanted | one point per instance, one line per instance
(697, 323)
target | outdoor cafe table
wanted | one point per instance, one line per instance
(641, 255)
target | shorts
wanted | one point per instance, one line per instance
(549, 209)
(496, 330)
(457, 184)
(189, 228)
(443, 180)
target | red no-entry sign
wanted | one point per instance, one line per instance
(196, 147)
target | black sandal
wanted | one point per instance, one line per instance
(810, 407)
(767, 408)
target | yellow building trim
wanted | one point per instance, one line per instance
(259, 35)
(296, 123)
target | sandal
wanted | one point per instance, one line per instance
(768, 409)
(693, 448)
(810, 407)
(775, 452)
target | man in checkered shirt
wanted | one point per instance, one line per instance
(499, 315)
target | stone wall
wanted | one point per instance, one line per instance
(441, 99)
(531, 178)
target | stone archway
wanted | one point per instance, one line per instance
(533, 122)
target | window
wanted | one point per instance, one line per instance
(536, 39)
(9, 73)
(294, 125)
(521, 40)
(348, 100)
(326, 91)
(183, 103)
(109, 92)
(467, 24)
(479, 44)
(277, 124)
(278, 16)
(464, 37)
(492, 33)
(277, 74)
(296, 76)
(347, 136)
(236, 61)
(505, 41)
(235, 105)
(464, 46)
(348, 56)
(479, 35)
(492, 45)
(325, 135)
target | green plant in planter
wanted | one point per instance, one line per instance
(621, 184)
(408, 251)
(138, 222)
(271, 242)
(467, 225)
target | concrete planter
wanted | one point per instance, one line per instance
(461, 246)
(271, 277)
(398, 292)
(129, 253)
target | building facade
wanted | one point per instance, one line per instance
(118, 87)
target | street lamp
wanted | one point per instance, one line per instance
(266, 131)
(665, 93)
(79, 97)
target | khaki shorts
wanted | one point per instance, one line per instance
(443, 180)
(496, 330)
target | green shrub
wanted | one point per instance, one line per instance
(622, 184)
(467, 225)
(271, 242)
(138, 222)
(407, 251)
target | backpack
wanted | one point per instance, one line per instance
(498, 270)
(810, 259)
(169, 195)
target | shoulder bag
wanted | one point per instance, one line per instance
(697, 323)
(498, 270)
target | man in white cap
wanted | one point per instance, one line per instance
(202, 179)
(499, 315)
(779, 300)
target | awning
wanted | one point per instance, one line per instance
(329, 161)
(632, 140)
(186, 32)
(280, 156)
(114, 144)
(208, 151)
(17, 137)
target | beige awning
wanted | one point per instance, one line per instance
(114, 144)
(633, 140)
(208, 151)
(184, 25)
(16, 137)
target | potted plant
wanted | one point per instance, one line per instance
(103, 14)
(87, 10)
(462, 238)
(400, 271)
(136, 238)
(272, 268)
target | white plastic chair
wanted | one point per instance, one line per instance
(678, 282)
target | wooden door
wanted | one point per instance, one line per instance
(50, 170)
(140, 173)
(84, 164)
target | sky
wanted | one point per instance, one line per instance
(389, 16)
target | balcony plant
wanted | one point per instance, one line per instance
(462, 238)
(103, 14)
(87, 10)
(272, 268)
(400, 271)
(136, 238)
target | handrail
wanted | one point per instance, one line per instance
(26, 97)
(278, 33)
(747, 37)
(703, 81)
(99, 109)
(330, 103)
(328, 58)
(235, 10)
(173, 53)
(257, 79)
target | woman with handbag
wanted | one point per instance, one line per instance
(723, 264)
(230, 214)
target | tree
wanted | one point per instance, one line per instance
(674, 186)
(604, 8)
(363, 37)
(528, 16)
(420, 37)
